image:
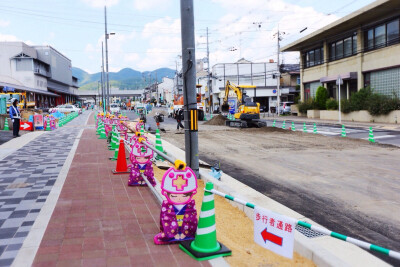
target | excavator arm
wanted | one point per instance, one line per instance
(238, 92)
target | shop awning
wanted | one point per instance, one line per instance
(24, 88)
(344, 76)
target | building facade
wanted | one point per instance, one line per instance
(263, 75)
(362, 48)
(40, 71)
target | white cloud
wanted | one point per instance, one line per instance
(238, 29)
(100, 3)
(4, 23)
(149, 4)
(8, 38)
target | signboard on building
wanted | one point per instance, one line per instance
(274, 232)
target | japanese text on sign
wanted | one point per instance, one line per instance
(274, 232)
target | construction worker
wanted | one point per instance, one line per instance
(179, 118)
(15, 116)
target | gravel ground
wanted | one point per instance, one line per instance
(349, 186)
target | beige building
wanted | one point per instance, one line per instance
(362, 47)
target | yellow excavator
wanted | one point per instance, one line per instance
(248, 113)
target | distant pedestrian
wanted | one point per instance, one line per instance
(179, 118)
(15, 116)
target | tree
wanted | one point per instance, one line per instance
(321, 96)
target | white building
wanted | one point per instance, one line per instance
(262, 75)
(166, 90)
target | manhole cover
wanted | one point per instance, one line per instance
(308, 232)
(18, 185)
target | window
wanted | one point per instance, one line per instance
(343, 48)
(383, 35)
(380, 36)
(298, 80)
(393, 32)
(314, 57)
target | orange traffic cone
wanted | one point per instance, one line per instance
(121, 160)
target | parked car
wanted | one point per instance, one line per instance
(114, 108)
(66, 108)
(284, 107)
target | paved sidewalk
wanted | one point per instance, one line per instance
(100, 221)
(26, 178)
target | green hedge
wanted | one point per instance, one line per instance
(364, 99)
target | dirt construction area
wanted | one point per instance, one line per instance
(349, 186)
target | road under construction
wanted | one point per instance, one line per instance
(347, 185)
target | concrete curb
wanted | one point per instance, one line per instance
(323, 250)
(29, 248)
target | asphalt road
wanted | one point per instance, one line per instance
(382, 136)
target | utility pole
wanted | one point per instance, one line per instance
(208, 76)
(106, 37)
(157, 98)
(103, 88)
(189, 85)
(278, 77)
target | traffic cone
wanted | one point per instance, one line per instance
(315, 129)
(142, 130)
(304, 127)
(371, 135)
(159, 146)
(102, 134)
(116, 151)
(343, 131)
(210, 116)
(284, 125)
(205, 117)
(205, 245)
(273, 124)
(122, 167)
(48, 125)
(6, 128)
(293, 127)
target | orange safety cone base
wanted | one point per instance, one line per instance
(122, 167)
(222, 252)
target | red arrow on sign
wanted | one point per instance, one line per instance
(271, 237)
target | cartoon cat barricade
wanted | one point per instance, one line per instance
(141, 164)
(178, 217)
(274, 232)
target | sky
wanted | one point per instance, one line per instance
(147, 32)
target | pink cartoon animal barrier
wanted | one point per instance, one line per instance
(178, 217)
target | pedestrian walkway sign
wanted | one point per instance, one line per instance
(274, 232)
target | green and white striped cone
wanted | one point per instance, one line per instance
(115, 154)
(210, 116)
(315, 131)
(142, 131)
(273, 124)
(102, 134)
(48, 125)
(293, 127)
(284, 125)
(304, 127)
(159, 146)
(6, 127)
(205, 117)
(205, 245)
(371, 135)
(343, 131)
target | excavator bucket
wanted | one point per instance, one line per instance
(225, 107)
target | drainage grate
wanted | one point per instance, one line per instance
(308, 232)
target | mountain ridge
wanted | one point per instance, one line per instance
(125, 79)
